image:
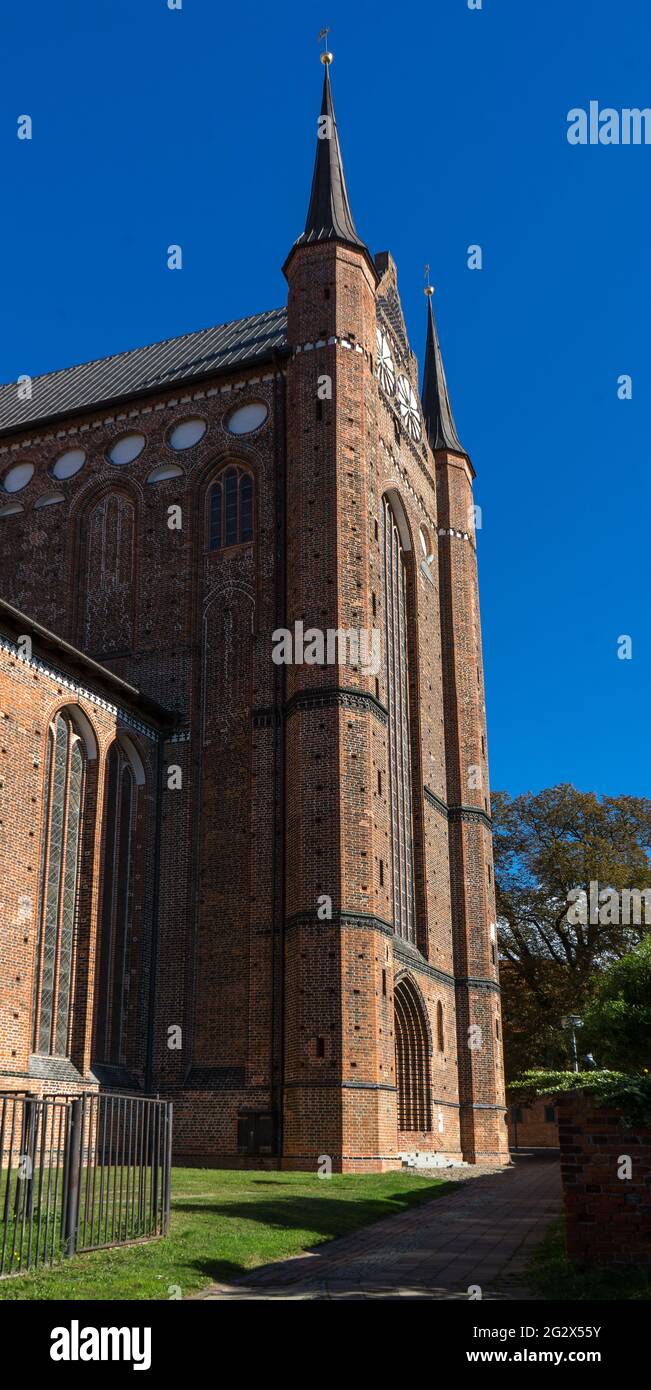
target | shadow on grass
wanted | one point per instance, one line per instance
(220, 1271)
(323, 1219)
(327, 1216)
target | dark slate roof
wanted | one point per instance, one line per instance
(329, 217)
(15, 624)
(441, 429)
(241, 343)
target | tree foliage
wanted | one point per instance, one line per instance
(631, 1095)
(547, 845)
(618, 1017)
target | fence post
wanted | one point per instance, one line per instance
(73, 1170)
(25, 1182)
(155, 1162)
(168, 1166)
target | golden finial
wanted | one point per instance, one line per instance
(429, 289)
(326, 57)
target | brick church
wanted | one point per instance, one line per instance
(262, 887)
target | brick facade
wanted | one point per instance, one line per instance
(271, 1024)
(608, 1213)
(533, 1125)
(32, 690)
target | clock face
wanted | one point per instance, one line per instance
(408, 408)
(386, 372)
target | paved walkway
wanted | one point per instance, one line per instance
(482, 1234)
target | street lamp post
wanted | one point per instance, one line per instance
(573, 1021)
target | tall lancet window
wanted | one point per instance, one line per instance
(119, 829)
(65, 775)
(231, 508)
(397, 669)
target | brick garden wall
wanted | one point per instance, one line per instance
(608, 1216)
(534, 1130)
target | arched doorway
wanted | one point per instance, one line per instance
(412, 1060)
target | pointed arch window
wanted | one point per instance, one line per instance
(412, 1060)
(65, 778)
(231, 508)
(115, 927)
(397, 672)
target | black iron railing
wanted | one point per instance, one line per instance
(79, 1173)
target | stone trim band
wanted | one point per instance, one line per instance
(403, 953)
(458, 813)
(327, 696)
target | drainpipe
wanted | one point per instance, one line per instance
(278, 715)
(153, 955)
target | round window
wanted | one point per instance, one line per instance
(18, 477)
(127, 448)
(69, 463)
(247, 418)
(187, 433)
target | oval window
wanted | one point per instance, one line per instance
(69, 463)
(18, 477)
(187, 433)
(127, 448)
(165, 470)
(49, 499)
(11, 509)
(247, 418)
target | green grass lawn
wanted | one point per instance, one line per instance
(552, 1275)
(225, 1222)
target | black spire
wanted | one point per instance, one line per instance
(329, 217)
(441, 429)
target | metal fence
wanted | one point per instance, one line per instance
(80, 1173)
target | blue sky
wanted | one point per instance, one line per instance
(197, 127)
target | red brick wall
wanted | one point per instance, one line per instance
(280, 801)
(341, 461)
(608, 1217)
(534, 1130)
(31, 694)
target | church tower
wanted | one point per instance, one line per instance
(479, 1028)
(337, 1034)
(391, 1040)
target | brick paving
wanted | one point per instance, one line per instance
(481, 1234)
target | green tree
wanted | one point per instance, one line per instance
(618, 1018)
(547, 845)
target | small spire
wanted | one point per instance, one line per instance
(441, 429)
(329, 217)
